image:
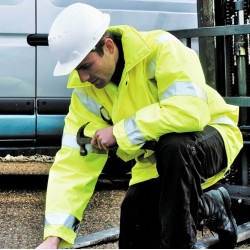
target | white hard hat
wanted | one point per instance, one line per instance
(74, 33)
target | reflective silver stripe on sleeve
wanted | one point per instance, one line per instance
(63, 219)
(184, 89)
(133, 132)
(88, 102)
(224, 120)
(70, 141)
(92, 105)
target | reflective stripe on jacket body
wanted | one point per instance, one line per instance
(162, 90)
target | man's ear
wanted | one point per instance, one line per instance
(110, 45)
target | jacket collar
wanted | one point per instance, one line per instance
(134, 45)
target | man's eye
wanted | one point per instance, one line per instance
(83, 67)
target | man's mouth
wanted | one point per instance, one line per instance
(94, 81)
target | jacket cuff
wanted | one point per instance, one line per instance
(123, 140)
(67, 236)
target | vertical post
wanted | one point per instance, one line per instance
(240, 53)
(205, 12)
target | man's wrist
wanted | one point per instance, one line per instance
(56, 239)
(52, 242)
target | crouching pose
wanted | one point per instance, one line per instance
(145, 93)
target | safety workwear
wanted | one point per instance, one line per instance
(74, 33)
(215, 213)
(162, 90)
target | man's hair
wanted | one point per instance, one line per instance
(99, 46)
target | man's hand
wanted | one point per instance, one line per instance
(51, 242)
(104, 138)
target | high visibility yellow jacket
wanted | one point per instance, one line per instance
(162, 90)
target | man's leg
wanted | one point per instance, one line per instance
(139, 223)
(184, 161)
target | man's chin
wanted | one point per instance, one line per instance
(101, 85)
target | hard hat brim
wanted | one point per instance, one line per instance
(66, 68)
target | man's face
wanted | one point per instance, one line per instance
(97, 69)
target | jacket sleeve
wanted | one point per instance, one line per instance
(72, 177)
(182, 100)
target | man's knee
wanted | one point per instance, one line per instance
(172, 143)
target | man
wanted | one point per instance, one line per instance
(144, 92)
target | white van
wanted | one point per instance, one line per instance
(33, 103)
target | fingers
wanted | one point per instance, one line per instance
(102, 146)
(98, 144)
(103, 138)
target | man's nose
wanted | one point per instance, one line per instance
(84, 76)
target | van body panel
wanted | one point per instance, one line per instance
(17, 70)
(17, 16)
(49, 127)
(141, 14)
(47, 84)
(17, 127)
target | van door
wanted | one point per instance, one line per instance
(52, 95)
(17, 72)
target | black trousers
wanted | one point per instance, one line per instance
(162, 212)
